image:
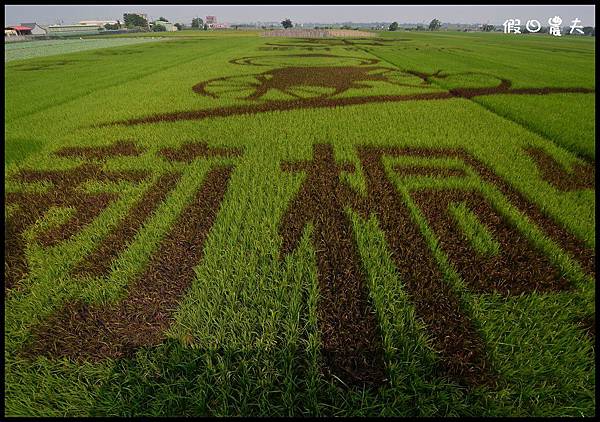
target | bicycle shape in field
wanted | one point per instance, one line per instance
(319, 82)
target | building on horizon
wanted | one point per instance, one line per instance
(210, 21)
(75, 29)
(100, 22)
(35, 28)
(16, 30)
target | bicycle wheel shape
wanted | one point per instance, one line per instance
(304, 60)
(231, 87)
(399, 78)
(472, 80)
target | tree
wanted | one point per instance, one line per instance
(393, 26)
(111, 26)
(488, 28)
(287, 23)
(205, 27)
(197, 23)
(133, 20)
(434, 25)
(589, 30)
(179, 26)
(158, 28)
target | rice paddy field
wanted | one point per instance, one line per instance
(42, 48)
(226, 224)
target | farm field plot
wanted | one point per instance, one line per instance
(28, 50)
(398, 225)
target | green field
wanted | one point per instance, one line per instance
(225, 224)
(43, 48)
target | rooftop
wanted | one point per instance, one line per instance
(18, 28)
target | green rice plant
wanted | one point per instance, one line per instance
(475, 232)
(27, 50)
(246, 335)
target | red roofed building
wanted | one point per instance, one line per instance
(20, 30)
(35, 28)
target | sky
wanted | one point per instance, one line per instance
(496, 15)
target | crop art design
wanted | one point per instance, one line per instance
(64, 192)
(43, 65)
(291, 47)
(482, 245)
(486, 250)
(576, 248)
(306, 82)
(92, 332)
(320, 44)
(98, 262)
(318, 80)
(119, 148)
(581, 176)
(351, 344)
(305, 60)
(328, 219)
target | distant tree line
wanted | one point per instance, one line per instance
(157, 27)
(133, 20)
(434, 25)
(197, 23)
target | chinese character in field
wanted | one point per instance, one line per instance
(576, 26)
(555, 26)
(533, 25)
(512, 25)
